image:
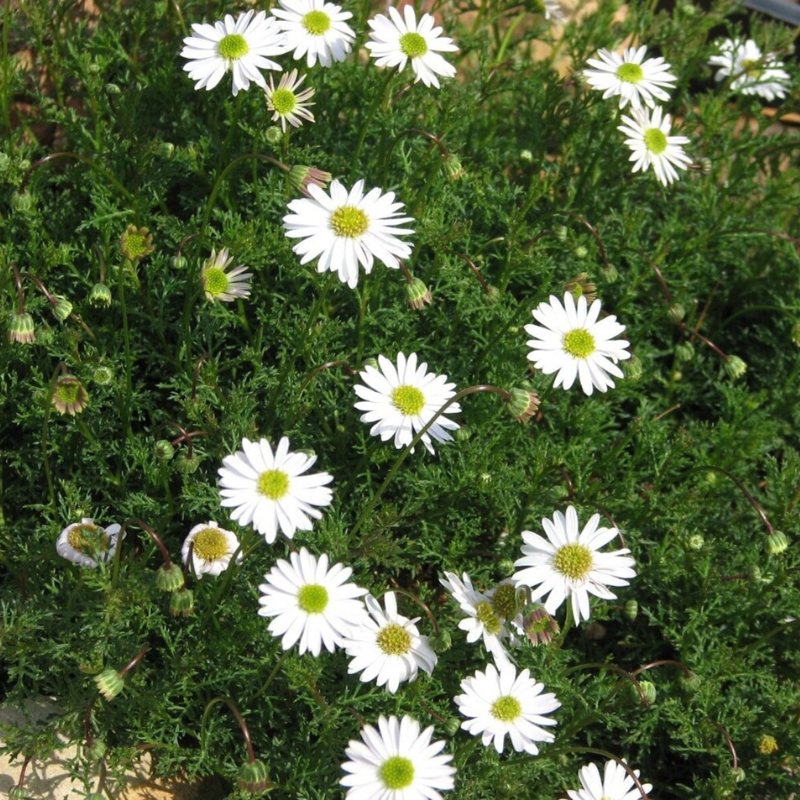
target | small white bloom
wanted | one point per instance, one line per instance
(401, 400)
(221, 285)
(212, 549)
(752, 71)
(241, 46)
(482, 619)
(502, 702)
(388, 647)
(311, 603)
(630, 77)
(86, 543)
(288, 104)
(568, 563)
(315, 29)
(570, 341)
(616, 784)
(396, 762)
(271, 491)
(345, 229)
(649, 139)
(553, 10)
(394, 41)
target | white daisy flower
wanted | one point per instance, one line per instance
(652, 145)
(271, 491)
(630, 77)
(568, 563)
(240, 45)
(502, 702)
(212, 549)
(394, 41)
(345, 229)
(616, 784)
(315, 29)
(221, 285)
(570, 341)
(401, 400)
(288, 104)
(396, 762)
(752, 71)
(388, 648)
(482, 621)
(311, 604)
(86, 543)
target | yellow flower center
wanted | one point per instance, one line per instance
(349, 222)
(655, 140)
(88, 539)
(408, 400)
(579, 343)
(573, 560)
(68, 392)
(752, 67)
(284, 101)
(394, 640)
(486, 616)
(630, 73)
(316, 22)
(312, 598)
(413, 45)
(273, 484)
(506, 708)
(210, 544)
(215, 281)
(397, 773)
(233, 46)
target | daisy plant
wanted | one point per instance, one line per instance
(315, 30)
(270, 490)
(221, 284)
(311, 604)
(288, 103)
(751, 71)
(395, 40)
(241, 46)
(568, 564)
(210, 549)
(397, 760)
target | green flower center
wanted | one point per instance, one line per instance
(394, 640)
(486, 616)
(573, 560)
(284, 101)
(312, 598)
(630, 73)
(215, 281)
(210, 544)
(233, 46)
(68, 392)
(397, 773)
(579, 343)
(408, 400)
(655, 140)
(504, 601)
(752, 67)
(349, 221)
(506, 708)
(88, 539)
(539, 622)
(135, 246)
(413, 45)
(316, 22)
(273, 484)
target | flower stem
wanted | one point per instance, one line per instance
(268, 682)
(251, 756)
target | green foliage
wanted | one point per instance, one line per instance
(693, 465)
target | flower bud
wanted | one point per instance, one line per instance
(523, 404)
(463, 434)
(581, 286)
(540, 627)
(754, 573)
(610, 274)
(62, 308)
(735, 367)
(695, 542)
(453, 168)
(632, 368)
(21, 328)
(19, 793)
(186, 465)
(181, 603)
(301, 177)
(441, 642)
(684, 351)
(677, 312)
(631, 610)
(109, 683)
(169, 579)
(796, 334)
(97, 750)
(112, 89)
(561, 233)
(493, 296)
(254, 777)
(273, 134)
(164, 450)
(417, 294)
(452, 726)
(103, 376)
(738, 774)
(690, 682)
(179, 261)
(100, 296)
(69, 395)
(581, 252)
(370, 362)
(777, 542)
(166, 149)
(526, 156)
(22, 203)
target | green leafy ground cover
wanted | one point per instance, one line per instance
(693, 458)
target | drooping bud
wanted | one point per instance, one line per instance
(777, 542)
(633, 368)
(63, 308)
(164, 450)
(453, 168)
(684, 351)
(21, 328)
(70, 395)
(186, 465)
(631, 610)
(452, 726)
(539, 626)
(109, 683)
(254, 777)
(169, 579)
(300, 177)
(738, 774)
(100, 296)
(417, 294)
(19, 793)
(179, 261)
(523, 404)
(441, 642)
(96, 750)
(610, 274)
(735, 367)
(581, 286)
(690, 682)
(181, 603)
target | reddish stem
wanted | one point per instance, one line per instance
(753, 502)
(153, 535)
(20, 293)
(729, 742)
(661, 663)
(476, 272)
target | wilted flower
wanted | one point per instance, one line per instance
(70, 396)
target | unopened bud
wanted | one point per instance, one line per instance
(300, 177)
(631, 610)
(526, 156)
(695, 542)
(581, 251)
(677, 312)
(777, 542)
(738, 774)
(610, 274)
(581, 286)
(109, 683)
(22, 202)
(62, 308)
(112, 89)
(21, 328)
(735, 367)
(100, 295)
(523, 404)
(254, 777)
(166, 149)
(186, 465)
(96, 750)
(179, 261)
(164, 450)
(493, 296)
(103, 376)
(441, 642)
(273, 134)
(417, 294)
(796, 334)
(453, 168)
(633, 368)
(452, 726)
(181, 603)
(19, 793)
(169, 579)
(561, 233)
(690, 682)
(684, 351)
